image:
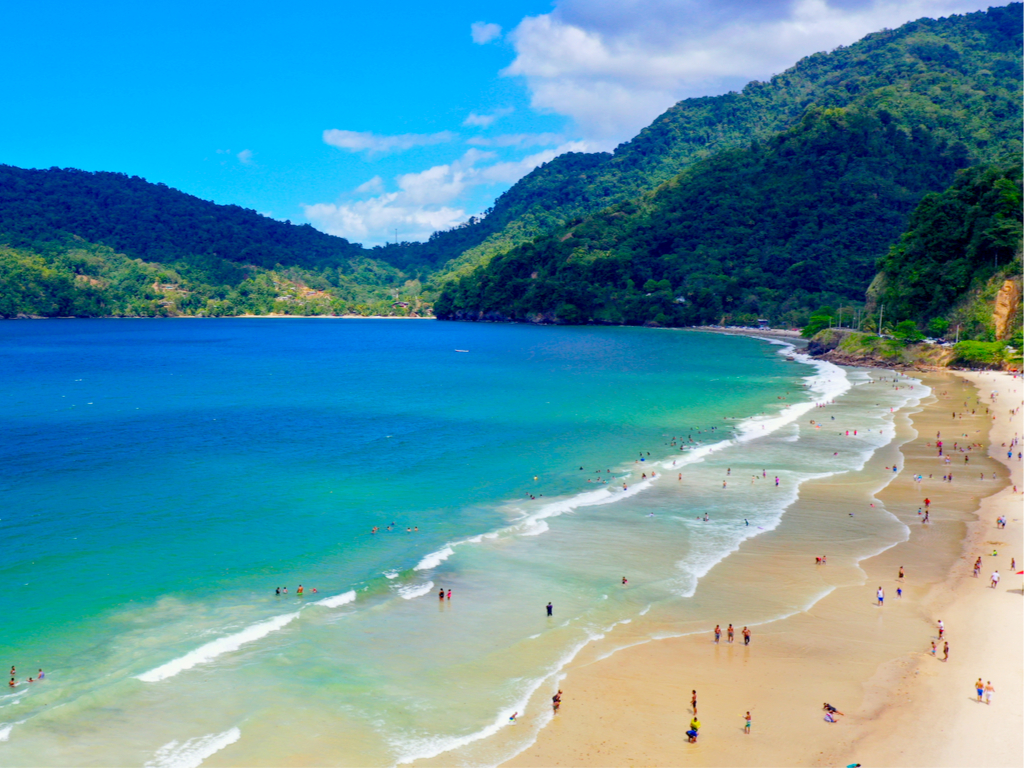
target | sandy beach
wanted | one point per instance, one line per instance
(903, 706)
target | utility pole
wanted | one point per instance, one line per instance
(957, 334)
(881, 312)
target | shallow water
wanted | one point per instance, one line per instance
(162, 478)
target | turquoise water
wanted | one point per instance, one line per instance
(162, 478)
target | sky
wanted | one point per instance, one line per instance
(381, 120)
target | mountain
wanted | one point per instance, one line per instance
(959, 75)
(786, 219)
(962, 247)
(97, 244)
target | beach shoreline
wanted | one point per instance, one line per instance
(872, 662)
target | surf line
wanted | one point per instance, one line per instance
(229, 643)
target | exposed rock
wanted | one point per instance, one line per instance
(1007, 303)
(826, 340)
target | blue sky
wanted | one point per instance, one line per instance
(371, 117)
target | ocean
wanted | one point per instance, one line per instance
(163, 478)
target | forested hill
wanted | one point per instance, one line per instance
(101, 244)
(958, 75)
(154, 222)
(777, 225)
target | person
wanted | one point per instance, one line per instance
(550, 609)
(829, 718)
(934, 648)
(942, 628)
(693, 703)
(449, 594)
(556, 701)
(299, 590)
(746, 725)
(979, 687)
(440, 594)
(989, 690)
(899, 593)
(995, 579)
(12, 683)
(730, 632)
(277, 591)
(695, 723)
(718, 633)
(623, 579)
(945, 651)
(901, 573)
(691, 736)
(512, 719)
(746, 636)
(41, 675)
(830, 709)
(881, 596)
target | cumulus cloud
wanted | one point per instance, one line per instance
(425, 201)
(245, 157)
(483, 33)
(483, 121)
(614, 65)
(372, 143)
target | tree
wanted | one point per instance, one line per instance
(907, 332)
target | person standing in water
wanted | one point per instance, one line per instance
(550, 609)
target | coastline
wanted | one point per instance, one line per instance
(632, 706)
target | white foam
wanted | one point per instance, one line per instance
(391, 574)
(337, 600)
(217, 648)
(193, 752)
(5, 729)
(431, 746)
(434, 559)
(412, 591)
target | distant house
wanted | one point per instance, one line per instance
(763, 324)
(400, 304)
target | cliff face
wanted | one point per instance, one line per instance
(1006, 307)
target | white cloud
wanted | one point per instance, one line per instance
(425, 201)
(517, 140)
(483, 121)
(372, 143)
(373, 186)
(483, 33)
(245, 157)
(614, 65)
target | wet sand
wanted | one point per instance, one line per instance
(903, 707)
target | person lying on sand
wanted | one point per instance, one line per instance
(830, 709)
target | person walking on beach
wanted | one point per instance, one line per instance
(693, 703)
(901, 573)
(730, 633)
(934, 648)
(945, 651)
(995, 579)
(550, 609)
(989, 690)
(746, 636)
(881, 597)
(746, 725)
(718, 633)
(942, 628)
(979, 688)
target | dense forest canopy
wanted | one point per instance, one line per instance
(784, 223)
(766, 202)
(958, 240)
(960, 76)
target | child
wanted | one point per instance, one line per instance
(746, 728)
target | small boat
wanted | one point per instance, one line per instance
(462, 350)
(791, 359)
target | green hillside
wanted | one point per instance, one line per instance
(962, 244)
(789, 222)
(98, 244)
(959, 76)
